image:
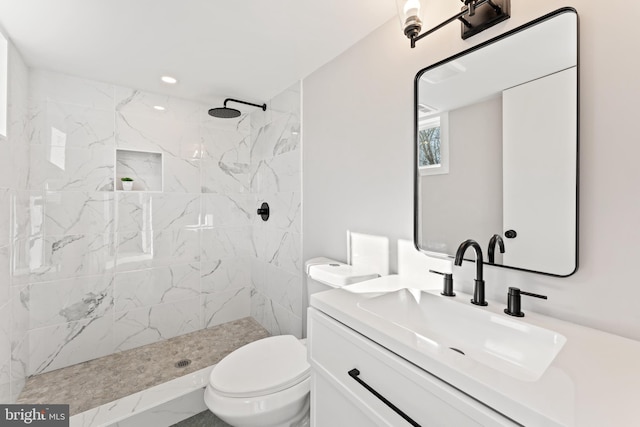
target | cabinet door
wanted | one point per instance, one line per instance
(335, 350)
(329, 407)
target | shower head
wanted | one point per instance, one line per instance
(225, 112)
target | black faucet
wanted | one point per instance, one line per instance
(478, 289)
(492, 247)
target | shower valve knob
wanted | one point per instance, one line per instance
(263, 211)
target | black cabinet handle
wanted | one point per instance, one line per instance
(354, 374)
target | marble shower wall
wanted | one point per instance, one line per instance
(14, 167)
(276, 299)
(101, 270)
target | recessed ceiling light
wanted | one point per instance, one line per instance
(159, 107)
(169, 79)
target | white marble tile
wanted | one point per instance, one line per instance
(19, 313)
(141, 103)
(5, 352)
(285, 210)
(218, 243)
(133, 407)
(146, 249)
(144, 211)
(278, 174)
(71, 169)
(21, 166)
(285, 288)
(181, 175)
(226, 175)
(225, 274)
(228, 210)
(19, 339)
(70, 300)
(220, 141)
(17, 98)
(144, 288)
(277, 137)
(66, 344)
(259, 118)
(6, 165)
(70, 90)
(19, 368)
(145, 168)
(71, 125)
(171, 412)
(151, 211)
(28, 220)
(5, 274)
(159, 322)
(133, 211)
(225, 306)
(273, 317)
(156, 133)
(5, 216)
(259, 275)
(48, 258)
(69, 212)
(283, 249)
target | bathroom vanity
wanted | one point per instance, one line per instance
(377, 341)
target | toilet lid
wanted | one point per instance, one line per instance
(262, 367)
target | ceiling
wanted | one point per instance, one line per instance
(247, 49)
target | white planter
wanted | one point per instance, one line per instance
(127, 185)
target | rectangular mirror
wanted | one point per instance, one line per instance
(496, 153)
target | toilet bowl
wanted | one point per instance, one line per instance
(266, 383)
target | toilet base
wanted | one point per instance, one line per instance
(287, 408)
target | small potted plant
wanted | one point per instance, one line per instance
(127, 183)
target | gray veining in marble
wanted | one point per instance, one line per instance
(99, 381)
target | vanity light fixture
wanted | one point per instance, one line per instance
(475, 17)
(168, 79)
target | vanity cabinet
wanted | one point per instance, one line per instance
(338, 355)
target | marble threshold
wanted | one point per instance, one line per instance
(102, 390)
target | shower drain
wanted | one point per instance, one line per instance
(182, 363)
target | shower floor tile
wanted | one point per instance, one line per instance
(96, 382)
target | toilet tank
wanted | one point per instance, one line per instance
(324, 274)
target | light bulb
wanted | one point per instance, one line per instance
(410, 19)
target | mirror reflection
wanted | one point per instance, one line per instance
(496, 135)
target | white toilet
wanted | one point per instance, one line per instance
(266, 383)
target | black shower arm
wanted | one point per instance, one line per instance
(263, 106)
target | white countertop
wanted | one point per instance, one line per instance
(593, 381)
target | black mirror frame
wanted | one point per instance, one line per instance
(416, 174)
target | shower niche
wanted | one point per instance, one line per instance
(143, 167)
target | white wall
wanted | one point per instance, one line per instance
(357, 156)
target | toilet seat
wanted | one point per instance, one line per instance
(261, 368)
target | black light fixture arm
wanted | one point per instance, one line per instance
(469, 10)
(263, 106)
